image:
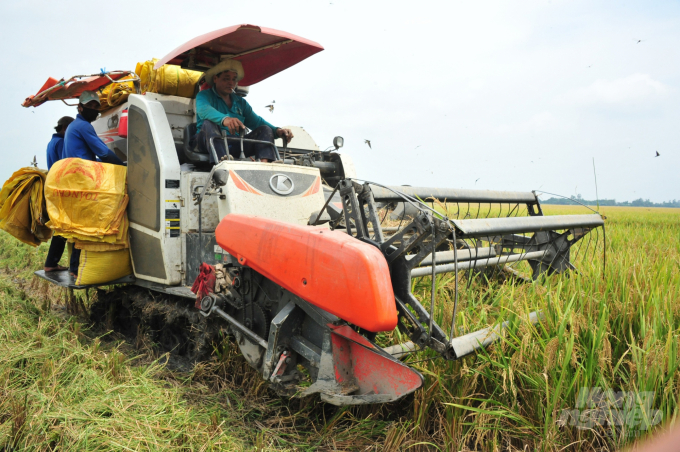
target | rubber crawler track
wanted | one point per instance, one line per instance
(159, 322)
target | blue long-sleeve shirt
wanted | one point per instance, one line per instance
(210, 106)
(81, 141)
(55, 149)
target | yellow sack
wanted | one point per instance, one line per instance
(22, 206)
(174, 80)
(86, 199)
(98, 267)
(168, 79)
(146, 74)
(121, 240)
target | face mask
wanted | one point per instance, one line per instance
(89, 114)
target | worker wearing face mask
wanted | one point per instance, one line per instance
(81, 141)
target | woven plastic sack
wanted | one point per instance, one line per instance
(99, 267)
(95, 244)
(146, 74)
(22, 206)
(174, 80)
(168, 79)
(86, 200)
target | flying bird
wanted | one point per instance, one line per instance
(657, 154)
(270, 107)
(476, 180)
(368, 142)
(35, 162)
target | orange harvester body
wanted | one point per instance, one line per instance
(328, 269)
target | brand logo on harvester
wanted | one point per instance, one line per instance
(281, 184)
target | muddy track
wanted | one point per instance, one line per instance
(158, 323)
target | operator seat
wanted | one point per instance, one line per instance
(193, 155)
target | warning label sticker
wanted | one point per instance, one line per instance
(172, 222)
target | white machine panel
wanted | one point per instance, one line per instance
(192, 181)
(154, 187)
(271, 190)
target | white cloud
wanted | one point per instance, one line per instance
(635, 88)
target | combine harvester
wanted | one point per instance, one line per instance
(314, 275)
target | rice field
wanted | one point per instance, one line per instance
(617, 328)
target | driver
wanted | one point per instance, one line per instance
(219, 108)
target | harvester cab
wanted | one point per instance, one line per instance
(309, 272)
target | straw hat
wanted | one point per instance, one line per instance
(226, 65)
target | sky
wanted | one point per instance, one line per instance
(501, 95)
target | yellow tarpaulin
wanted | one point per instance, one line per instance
(168, 79)
(86, 202)
(22, 206)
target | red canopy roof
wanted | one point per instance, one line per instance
(262, 51)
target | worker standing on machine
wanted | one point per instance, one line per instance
(55, 152)
(219, 108)
(55, 148)
(81, 141)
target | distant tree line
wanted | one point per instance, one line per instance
(611, 202)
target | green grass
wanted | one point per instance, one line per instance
(62, 389)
